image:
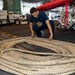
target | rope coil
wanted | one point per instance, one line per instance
(24, 62)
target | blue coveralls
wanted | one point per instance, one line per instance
(42, 17)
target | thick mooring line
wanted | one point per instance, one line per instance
(15, 56)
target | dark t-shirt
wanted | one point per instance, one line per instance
(42, 17)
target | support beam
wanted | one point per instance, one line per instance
(66, 13)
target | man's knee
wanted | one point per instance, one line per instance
(35, 27)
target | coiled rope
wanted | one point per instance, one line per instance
(22, 61)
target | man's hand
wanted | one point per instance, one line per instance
(50, 37)
(32, 35)
(32, 32)
(50, 29)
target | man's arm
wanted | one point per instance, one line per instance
(50, 29)
(32, 32)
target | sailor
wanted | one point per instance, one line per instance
(38, 22)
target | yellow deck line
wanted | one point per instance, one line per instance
(10, 35)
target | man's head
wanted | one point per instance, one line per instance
(34, 12)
